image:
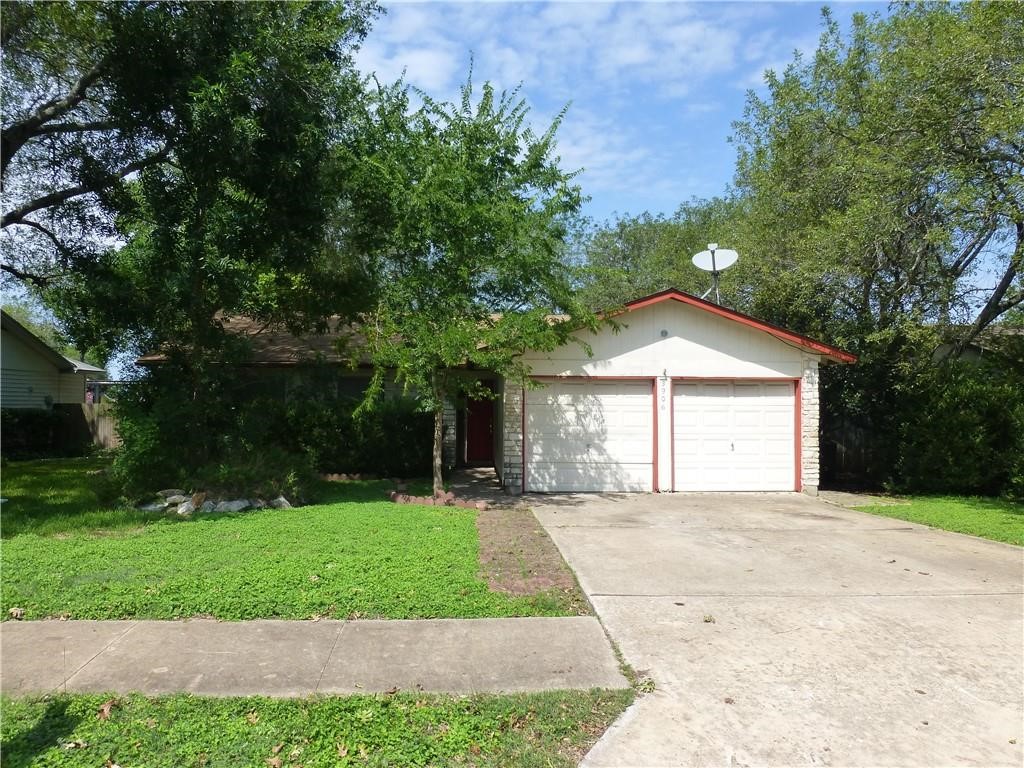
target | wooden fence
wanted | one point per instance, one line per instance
(101, 423)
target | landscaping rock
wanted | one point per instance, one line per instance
(257, 503)
(155, 506)
(482, 506)
(177, 498)
(186, 508)
(237, 505)
(208, 506)
(171, 492)
(281, 503)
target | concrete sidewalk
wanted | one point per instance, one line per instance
(299, 658)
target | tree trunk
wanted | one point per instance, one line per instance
(439, 448)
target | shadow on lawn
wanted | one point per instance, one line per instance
(21, 749)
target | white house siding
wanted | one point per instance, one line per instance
(30, 381)
(698, 344)
(670, 341)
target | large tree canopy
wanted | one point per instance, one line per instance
(198, 136)
(465, 224)
(880, 182)
(886, 173)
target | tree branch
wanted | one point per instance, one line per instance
(40, 281)
(995, 306)
(14, 136)
(56, 198)
(50, 235)
(96, 125)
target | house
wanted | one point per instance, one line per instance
(680, 395)
(685, 396)
(33, 375)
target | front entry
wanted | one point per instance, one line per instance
(480, 432)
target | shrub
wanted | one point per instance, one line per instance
(34, 433)
(238, 432)
(962, 431)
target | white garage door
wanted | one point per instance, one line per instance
(590, 436)
(734, 436)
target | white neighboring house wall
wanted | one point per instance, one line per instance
(667, 341)
(34, 376)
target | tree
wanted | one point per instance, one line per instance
(886, 172)
(167, 164)
(636, 256)
(197, 136)
(465, 228)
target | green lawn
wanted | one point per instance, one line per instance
(550, 729)
(994, 519)
(60, 495)
(356, 555)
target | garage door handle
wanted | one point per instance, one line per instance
(732, 446)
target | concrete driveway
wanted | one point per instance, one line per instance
(784, 631)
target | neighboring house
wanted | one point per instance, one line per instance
(684, 395)
(33, 375)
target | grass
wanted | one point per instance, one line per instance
(988, 518)
(61, 495)
(354, 556)
(524, 730)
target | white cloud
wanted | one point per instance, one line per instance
(629, 69)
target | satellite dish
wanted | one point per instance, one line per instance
(714, 260)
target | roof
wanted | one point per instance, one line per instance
(83, 367)
(789, 337)
(273, 345)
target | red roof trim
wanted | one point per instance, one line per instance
(782, 334)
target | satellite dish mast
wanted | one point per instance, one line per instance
(714, 260)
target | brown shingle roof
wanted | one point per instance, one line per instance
(273, 344)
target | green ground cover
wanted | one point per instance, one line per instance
(995, 519)
(525, 730)
(354, 555)
(60, 495)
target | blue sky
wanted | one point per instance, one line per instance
(653, 87)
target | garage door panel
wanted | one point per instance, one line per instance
(783, 393)
(590, 436)
(570, 478)
(748, 391)
(734, 436)
(749, 418)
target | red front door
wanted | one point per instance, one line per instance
(479, 431)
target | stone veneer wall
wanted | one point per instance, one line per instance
(512, 449)
(448, 436)
(810, 408)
